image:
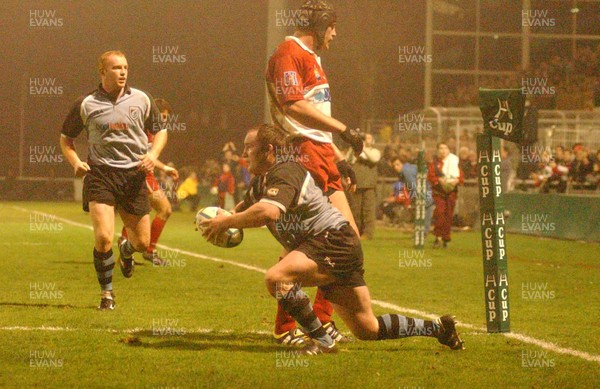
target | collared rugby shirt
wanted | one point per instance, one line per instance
(294, 73)
(116, 130)
(305, 210)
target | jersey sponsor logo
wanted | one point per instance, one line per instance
(290, 78)
(272, 192)
(118, 126)
(112, 126)
(322, 96)
(135, 112)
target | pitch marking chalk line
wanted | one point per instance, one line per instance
(520, 337)
(127, 330)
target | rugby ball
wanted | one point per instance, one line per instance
(230, 238)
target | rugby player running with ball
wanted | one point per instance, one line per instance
(322, 250)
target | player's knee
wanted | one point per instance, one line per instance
(103, 242)
(166, 211)
(271, 281)
(365, 334)
(270, 286)
(365, 328)
(275, 284)
(141, 243)
(273, 275)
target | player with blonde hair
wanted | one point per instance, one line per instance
(115, 117)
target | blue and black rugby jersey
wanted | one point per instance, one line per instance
(305, 210)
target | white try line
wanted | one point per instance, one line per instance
(126, 330)
(520, 337)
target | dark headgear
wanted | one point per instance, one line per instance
(317, 16)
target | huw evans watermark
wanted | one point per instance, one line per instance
(413, 259)
(168, 55)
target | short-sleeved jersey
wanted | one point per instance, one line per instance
(305, 210)
(294, 73)
(116, 130)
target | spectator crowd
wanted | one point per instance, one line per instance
(220, 182)
(223, 181)
(561, 168)
(571, 83)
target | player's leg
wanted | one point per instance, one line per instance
(103, 221)
(342, 252)
(338, 199)
(355, 310)
(284, 282)
(123, 234)
(103, 218)
(138, 232)
(160, 203)
(133, 206)
(353, 305)
(285, 325)
(322, 307)
(285, 331)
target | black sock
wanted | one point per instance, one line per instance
(297, 304)
(104, 264)
(393, 326)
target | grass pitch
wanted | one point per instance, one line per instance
(205, 322)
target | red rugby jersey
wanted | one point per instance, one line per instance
(294, 73)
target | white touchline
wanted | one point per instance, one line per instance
(520, 337)
(127, 330)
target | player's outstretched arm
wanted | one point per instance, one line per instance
(67, 146)
(257, 215)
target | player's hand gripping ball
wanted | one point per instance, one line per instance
(209, 221)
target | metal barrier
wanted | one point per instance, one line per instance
(434, 124)
(467, 203)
